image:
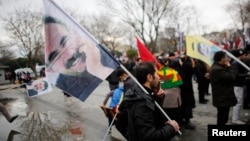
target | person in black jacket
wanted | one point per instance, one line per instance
(139, 119)
(222, 80)
(202, 74)
(240, 80)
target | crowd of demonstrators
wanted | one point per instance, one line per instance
(218, 75)
(23, 77)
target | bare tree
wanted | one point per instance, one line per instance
(25, 28)
(144, 16)
(106, 30)
(6, 55)
(238, 12)
(247, 7)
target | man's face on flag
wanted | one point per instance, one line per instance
(204, 49)
(39, 86)
(65, 52)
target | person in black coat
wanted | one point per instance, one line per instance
(201, 74)
(139, 119)
(222, 80)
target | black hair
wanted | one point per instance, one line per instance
(120, 72)
(143, 69)
(219, 55)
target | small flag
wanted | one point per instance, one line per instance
(75, 61)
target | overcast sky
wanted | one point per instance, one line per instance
(212, 11)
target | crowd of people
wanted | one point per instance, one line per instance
(228, 79)
(136, 91)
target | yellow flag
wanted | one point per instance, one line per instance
(201, 48)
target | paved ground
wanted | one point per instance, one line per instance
(66, 114)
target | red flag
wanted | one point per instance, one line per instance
(145, 54)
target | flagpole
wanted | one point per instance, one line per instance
(158, 106)
(110, 126)
(236, 59)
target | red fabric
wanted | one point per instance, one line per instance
(145, 54)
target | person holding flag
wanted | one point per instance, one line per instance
(138, 115)
(222, 79)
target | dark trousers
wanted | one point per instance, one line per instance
(201, 89)
(207, 83)
(222, 115)
(246, 98)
